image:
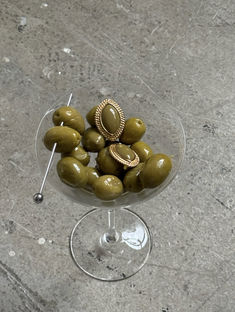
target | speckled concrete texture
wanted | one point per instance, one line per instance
(180, 51)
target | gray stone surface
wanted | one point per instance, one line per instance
(183, 53)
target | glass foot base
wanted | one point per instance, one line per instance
(110, 259)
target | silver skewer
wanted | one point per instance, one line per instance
(38, 197)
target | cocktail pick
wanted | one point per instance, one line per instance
(38, 197)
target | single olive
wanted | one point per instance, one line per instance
(70, 117)
(80, 154)
(132, 181)
(72, 172)
(66, 138)
(92, 174)
(90, 117)
(155, 170)
(133, 131)
(107, 164)
(143, 150)
(108, 187)
(92, 140)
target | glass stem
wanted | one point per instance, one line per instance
(111, 235)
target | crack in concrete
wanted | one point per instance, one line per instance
(222, 203)
(31, 300)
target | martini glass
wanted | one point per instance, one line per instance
(111, 242)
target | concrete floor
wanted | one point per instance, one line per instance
(182, 51)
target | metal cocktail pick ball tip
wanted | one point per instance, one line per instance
(38, 197)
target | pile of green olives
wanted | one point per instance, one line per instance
(134, 165)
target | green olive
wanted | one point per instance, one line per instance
(90, 117)
(108, 187)
(133, 131)
(143, 150)
(107, 164)
(92, 140)
(80, 154)
(72, 172)
(66, 138)
(70, 117)
(155, 170)
(92, 174)
(132, 181)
